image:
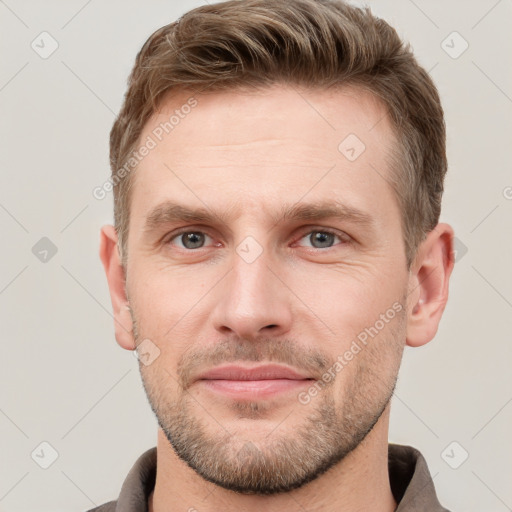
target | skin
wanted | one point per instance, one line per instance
(299, 303)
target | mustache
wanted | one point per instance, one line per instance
(236, 350)
(239, 350)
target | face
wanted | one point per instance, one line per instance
(293, 261)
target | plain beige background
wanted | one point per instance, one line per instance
(64, 379)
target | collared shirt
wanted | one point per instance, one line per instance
(409, 477)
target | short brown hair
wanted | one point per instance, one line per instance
(311, 43)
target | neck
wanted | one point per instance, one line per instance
(359, 482)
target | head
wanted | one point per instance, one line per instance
(284, 210)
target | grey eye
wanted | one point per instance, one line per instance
(192, 239)
(321, 239)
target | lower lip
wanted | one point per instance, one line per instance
(255, 388)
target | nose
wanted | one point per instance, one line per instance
(254, 300)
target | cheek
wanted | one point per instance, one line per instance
(348, 300)
(370, 361)
(164, 298)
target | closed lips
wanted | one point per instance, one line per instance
(266, 372)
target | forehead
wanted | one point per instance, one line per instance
(238, 116)
(268, 146)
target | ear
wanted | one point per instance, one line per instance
(428, 285)
(109, 255)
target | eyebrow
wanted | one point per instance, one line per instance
(170, 212)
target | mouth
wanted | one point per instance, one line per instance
(252, 383)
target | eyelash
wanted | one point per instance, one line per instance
(344, 238)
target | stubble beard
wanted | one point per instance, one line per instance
(289, 456)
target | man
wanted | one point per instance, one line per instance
(278, 169)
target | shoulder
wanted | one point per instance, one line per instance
(106, 507)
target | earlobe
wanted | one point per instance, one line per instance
(428, 285)
(116, 279)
